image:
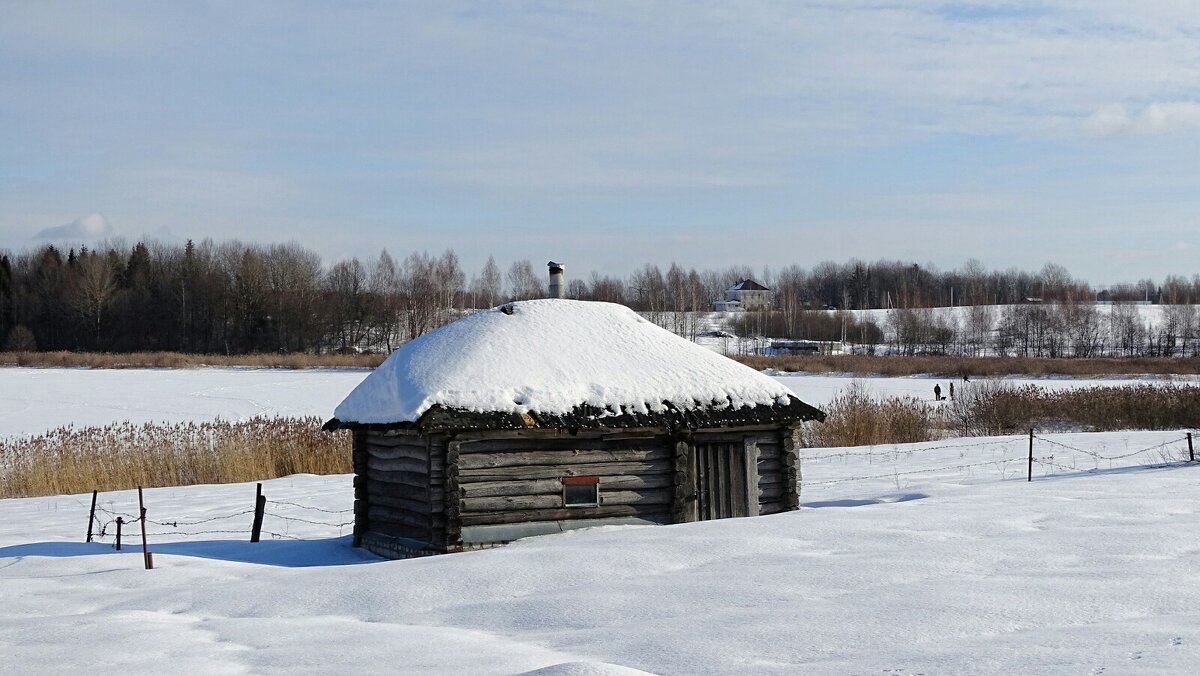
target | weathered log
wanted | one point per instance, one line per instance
(773, 507)
(520, 516)
(770, 492)
(561, 457)
(379, 514)
(416, 479)
(771, 466)
(551, 472)
(770, 478)
(523, 445)
(650, 496)
(395, 452)
(487, 489)
(411, 504)
(510, 502)
(452, 531)
(401, 490)
(418, 465)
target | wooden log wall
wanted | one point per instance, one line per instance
(771, 475)
(403, 476)
(514, 480)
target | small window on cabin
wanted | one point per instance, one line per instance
(581, 491)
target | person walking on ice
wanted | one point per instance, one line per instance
(937, 392)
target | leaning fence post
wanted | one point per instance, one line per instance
(120, 522)
(1191, 451)
(260, 506)
(1030, 455)
(91, 514)
(145, 550)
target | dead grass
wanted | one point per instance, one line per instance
(991, 407)
(123, 455)
(105, 360)
(855, 418)
(973, 366)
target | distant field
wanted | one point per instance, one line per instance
(856, 364)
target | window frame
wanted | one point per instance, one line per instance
(574, 481)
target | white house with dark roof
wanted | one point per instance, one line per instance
(746, 295)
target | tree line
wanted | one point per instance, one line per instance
(236, 298)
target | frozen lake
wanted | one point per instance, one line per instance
(34, 400)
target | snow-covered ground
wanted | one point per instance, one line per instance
(930, 558)
(924, 558)
(35, 400)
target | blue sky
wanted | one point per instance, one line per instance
(611, 134)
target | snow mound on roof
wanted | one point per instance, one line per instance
(550, 356)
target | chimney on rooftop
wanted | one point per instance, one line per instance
(557, 288)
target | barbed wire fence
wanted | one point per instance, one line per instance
(1171, 452)
(273, 518)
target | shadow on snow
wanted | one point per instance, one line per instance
(284, 553)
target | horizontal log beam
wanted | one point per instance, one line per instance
(395, 452)
(469, 461)
(418, 479)
(600, 469)
(379, 514)
(417, 465)
(566, 514)
(651, 496)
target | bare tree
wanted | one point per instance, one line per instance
(523, 284)
(93, 292)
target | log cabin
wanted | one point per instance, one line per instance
(546, 415)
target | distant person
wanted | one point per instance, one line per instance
(937, 392)
(952, 390)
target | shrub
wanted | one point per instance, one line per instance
(854, 418)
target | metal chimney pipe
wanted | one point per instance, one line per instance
(557, 288)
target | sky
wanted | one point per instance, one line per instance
(609, 135)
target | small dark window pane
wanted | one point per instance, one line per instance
(581, 495)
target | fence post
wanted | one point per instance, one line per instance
(1191, 451)
(260, 506)
(91, 516)
(145, 550)
(120, 522)
(1030, 455)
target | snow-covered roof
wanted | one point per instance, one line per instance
(552, 356)
(747, 285)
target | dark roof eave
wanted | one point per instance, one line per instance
(442, 419)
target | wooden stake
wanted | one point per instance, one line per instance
(145, 550)
(1030, 455)
(91, 514)
(1191, 451)
(260, 506)
(120, 522)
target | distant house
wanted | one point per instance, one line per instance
(746, 295)
(546, 415)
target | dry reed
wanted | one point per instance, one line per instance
(855, 418)
(124, 455)
(106, 360)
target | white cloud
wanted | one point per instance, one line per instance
(1156, 118)
(88, 228)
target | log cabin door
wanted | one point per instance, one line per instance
(721, 480)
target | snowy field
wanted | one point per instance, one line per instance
(926, 558)
(932, 558)
(34, 400)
